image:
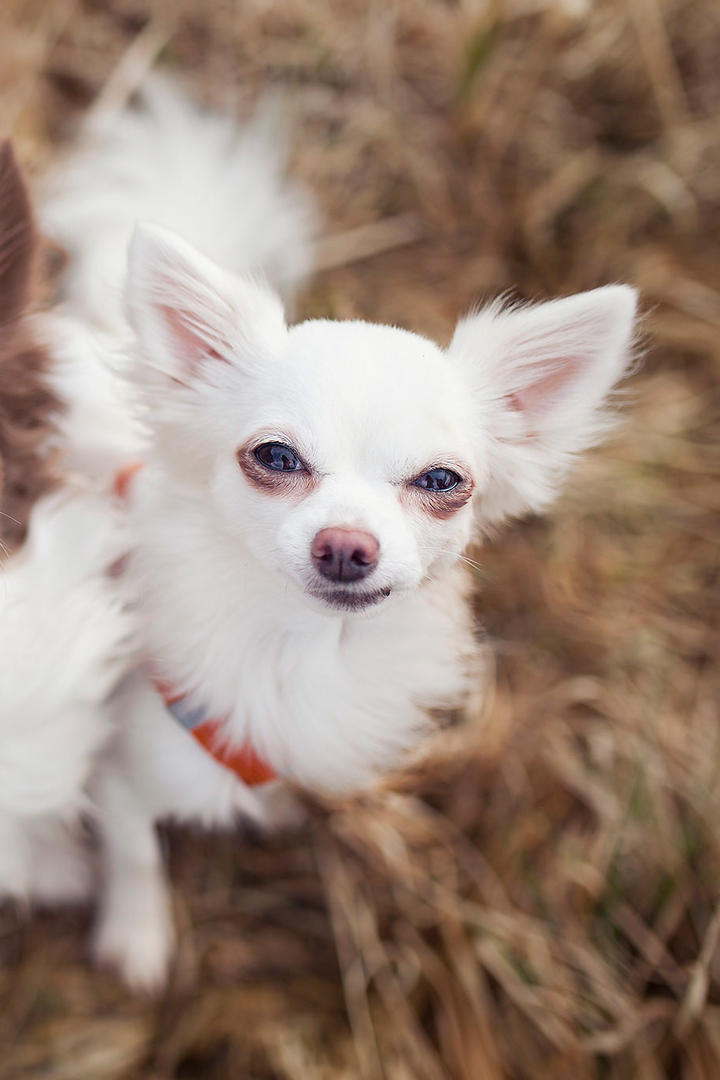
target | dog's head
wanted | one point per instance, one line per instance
(354, 458)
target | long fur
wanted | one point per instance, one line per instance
(64, 630)
(166, 160)
(66, 633)
(64, 636)
(330, 685)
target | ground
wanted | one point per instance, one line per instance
(539, 899)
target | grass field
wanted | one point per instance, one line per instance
(539, 897)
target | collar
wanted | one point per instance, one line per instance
(244, 761)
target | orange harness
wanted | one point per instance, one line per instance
(243, 760)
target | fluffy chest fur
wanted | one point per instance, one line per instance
(327, 700)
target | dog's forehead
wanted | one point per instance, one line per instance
(362, 375)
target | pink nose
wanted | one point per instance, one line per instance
(343, 555)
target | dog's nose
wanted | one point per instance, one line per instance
(344, 555)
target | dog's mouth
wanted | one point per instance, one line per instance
(348, 600)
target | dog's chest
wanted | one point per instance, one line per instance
(326, 701)
(326, 707)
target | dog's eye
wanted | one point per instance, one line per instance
(438, 480)
(278, 457)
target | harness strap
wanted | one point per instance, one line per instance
(244, 761)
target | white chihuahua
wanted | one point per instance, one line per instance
(298, 512)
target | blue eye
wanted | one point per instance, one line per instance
(278, 457)
(438, 480)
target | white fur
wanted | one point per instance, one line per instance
(329, 699)
(64, 635)
(64, 630)
(232, 608)
(100, 429)
(168, 161)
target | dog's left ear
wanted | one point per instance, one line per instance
(186, 310)
(541, 376)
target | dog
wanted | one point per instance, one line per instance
(299, 500)
(64, 631)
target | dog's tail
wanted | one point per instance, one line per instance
(218, 185)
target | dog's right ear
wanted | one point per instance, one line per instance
(541, 376)
(17, 240)
(187, 311)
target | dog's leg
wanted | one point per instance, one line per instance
(42, 860)
(59, 864)
(134, 932)
(152, 771)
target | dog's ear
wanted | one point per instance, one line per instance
(17, 240)
(541, 376)
(186, 310)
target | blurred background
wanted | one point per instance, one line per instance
(539, 897)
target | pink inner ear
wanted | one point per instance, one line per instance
(187, 344)
(548, 388)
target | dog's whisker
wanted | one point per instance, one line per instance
(463, 558)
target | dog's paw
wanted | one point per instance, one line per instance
(139, 950)
(135, 934)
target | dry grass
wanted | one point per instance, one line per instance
(540, 897)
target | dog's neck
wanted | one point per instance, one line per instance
(325, 698)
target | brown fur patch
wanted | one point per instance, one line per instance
(26, 404)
